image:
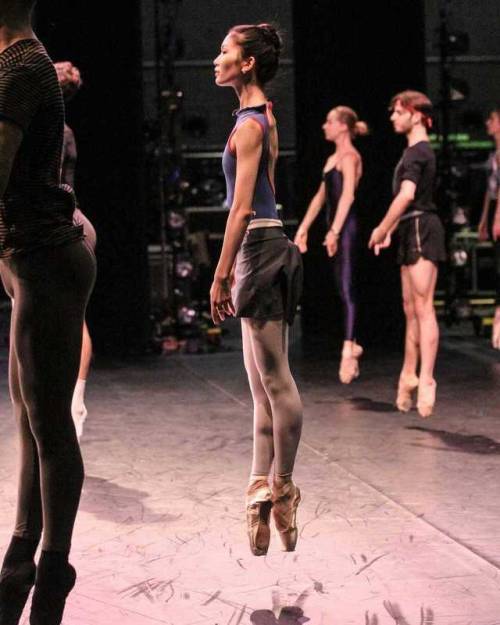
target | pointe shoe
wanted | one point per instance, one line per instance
(286, 498)
(407, 384)
(349, 365)
(426, 399)
(258, 506)
(49, 597)
(15, 586)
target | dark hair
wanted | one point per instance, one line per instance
(414, 101)
(264, 43)
(16, 11)
(349, 117)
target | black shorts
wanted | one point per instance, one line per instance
(421, 237)
(268, 276)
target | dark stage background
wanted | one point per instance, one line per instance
(338, 56)
(107, 118)
(359, 55)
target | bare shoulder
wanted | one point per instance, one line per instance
(249, 133)
(352, 157)
(330, 162)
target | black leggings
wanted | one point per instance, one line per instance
(50, 289)
(344, 263)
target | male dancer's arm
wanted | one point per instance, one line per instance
(396, 210)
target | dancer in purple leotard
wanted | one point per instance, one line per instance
(341, 176)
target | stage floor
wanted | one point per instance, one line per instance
(399, 516)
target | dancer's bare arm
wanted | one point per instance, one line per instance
(397, 208)
(247, 141)
(315, 205)
(348, 166)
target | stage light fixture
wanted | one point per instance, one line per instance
(457, 42)
(459, 257)
(184, 268)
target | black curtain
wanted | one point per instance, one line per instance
(107, 118)
(357, 54)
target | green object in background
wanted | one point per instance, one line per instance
(462, 140)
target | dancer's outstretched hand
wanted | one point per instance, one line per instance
(221, 303)
(379, 240)
(331, 243)
(300, 240)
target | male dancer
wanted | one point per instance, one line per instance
(421, 247)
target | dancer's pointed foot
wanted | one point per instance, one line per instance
(286, 498)
(16, 582)
(426, 398)
(349, 364)
(407, 385)
(258, 507)
(55, 578)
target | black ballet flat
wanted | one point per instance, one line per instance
(15, 585)
(49, 598)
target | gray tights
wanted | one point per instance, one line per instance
(277, 405)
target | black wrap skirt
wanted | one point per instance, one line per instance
(268, 276)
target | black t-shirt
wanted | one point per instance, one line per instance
(36, 210)
(417, 164)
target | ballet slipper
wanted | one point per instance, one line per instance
(426, 398)
(407, 385)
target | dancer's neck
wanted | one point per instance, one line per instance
(9, 35)
(250, 95)
(417, 134)
(343, 144)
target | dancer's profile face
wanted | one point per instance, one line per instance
(333, 127)
(493, 124)
(229, 66)
(401, 118)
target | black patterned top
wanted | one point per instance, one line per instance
(36, 209)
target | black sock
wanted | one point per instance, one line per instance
(51, 561)
(20, 550)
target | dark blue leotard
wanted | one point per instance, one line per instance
(264, 203)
